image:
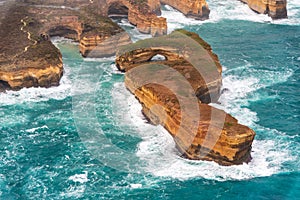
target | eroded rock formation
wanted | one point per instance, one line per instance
(173, 88)
(197, 9)
(142, 14)
(102, 46)
(274, 8)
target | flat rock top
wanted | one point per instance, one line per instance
(21, 26)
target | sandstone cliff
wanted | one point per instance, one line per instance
(167, 89)
(274, 8)
(197, 9)
(142, 14)
(175, 48)
(102, 46)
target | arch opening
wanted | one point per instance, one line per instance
(4, 85)
(117, 10)
(63, 31)
(158, 57)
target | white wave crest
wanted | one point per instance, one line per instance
(135, 35)
(32, 130)
(239, 90)
(36, 94)
(81, 178)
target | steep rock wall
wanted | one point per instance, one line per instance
(197, 9)
(274, 8)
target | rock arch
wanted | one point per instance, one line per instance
(117, 9)
(204, 77)
(158, 57)
(167, 97)
(63, 31)
(144, 14)
(197, 9)
(65, 26)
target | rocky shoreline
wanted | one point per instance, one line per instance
(29, 59)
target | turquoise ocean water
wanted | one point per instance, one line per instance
(47, 135)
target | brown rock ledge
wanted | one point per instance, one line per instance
(144, 13)
(274, 8)
(167, 88)
(197, 9)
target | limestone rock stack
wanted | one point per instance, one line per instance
(197, 9)
(174, 90)
(274, 8)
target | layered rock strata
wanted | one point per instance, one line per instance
(175, 49)
(167, 86)
(274, 8)
(197, 9)
(142, 14)
(102, 46)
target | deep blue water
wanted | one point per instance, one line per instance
(45, 134)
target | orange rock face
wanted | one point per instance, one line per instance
(216, 137)
(197, 9)
(142, 14)
(173, 91)
(47, 76)
(274, 8)
(105, 46)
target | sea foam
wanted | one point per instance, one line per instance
(160, 157)
(36, 94)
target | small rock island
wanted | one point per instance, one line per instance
(274, 8)
(200, 132)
